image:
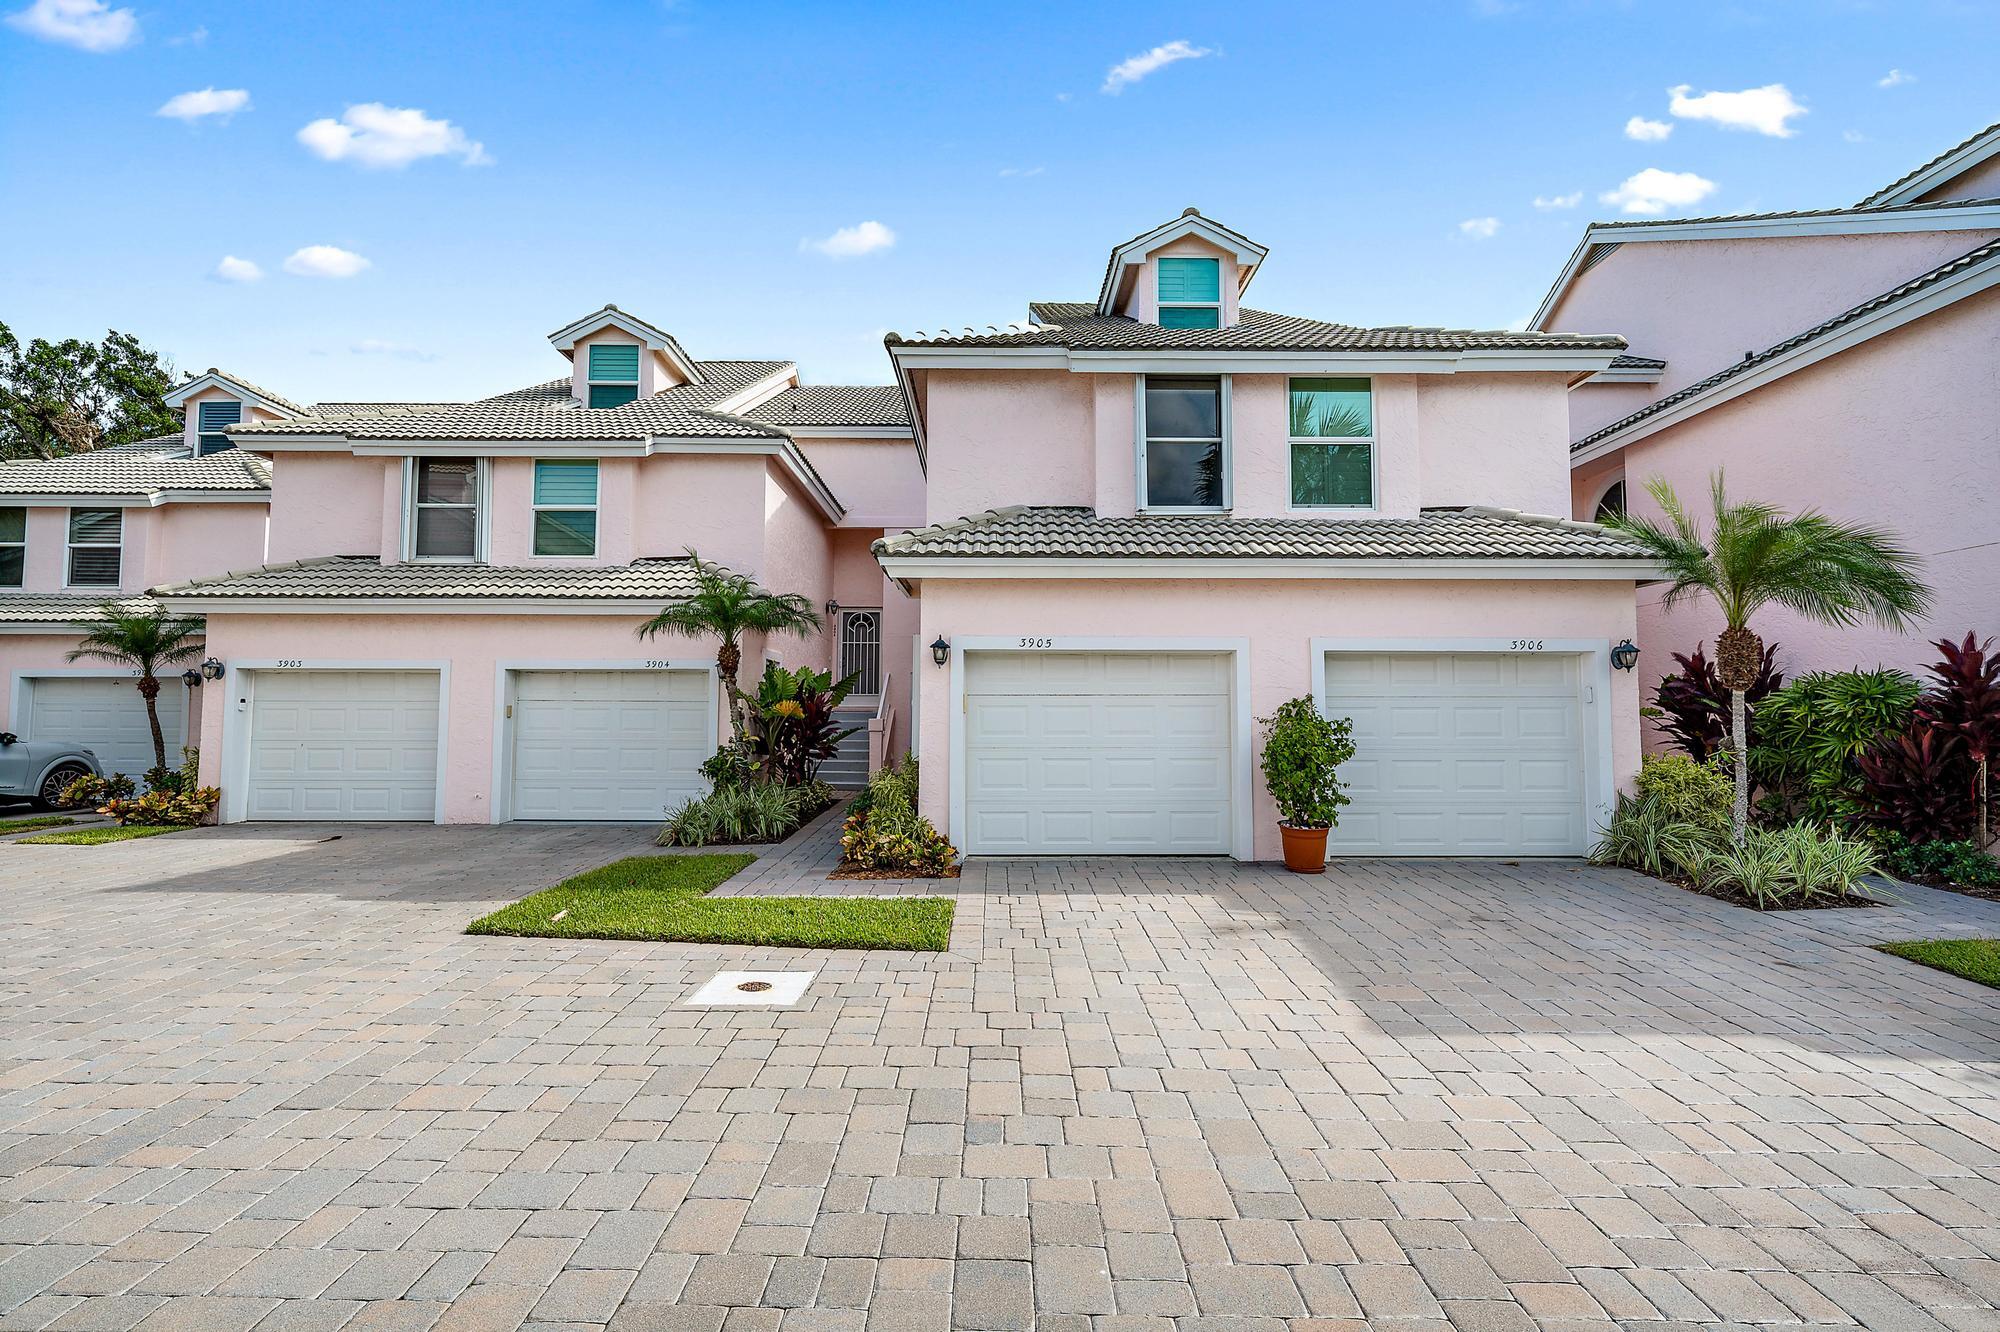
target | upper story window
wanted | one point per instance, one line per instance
(13, 546)
(566, 506)
(1190, 293)
(96, 540)
(1332, 444)
(1184, 442)
(1611, 504)
(211, 419)
(444, 509)
(614, 373)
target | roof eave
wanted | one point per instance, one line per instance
(916, 568)
(1940, 170)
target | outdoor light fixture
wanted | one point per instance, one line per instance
(211, 669)
(940, 651)
(832, 607)
(191, 678)
(1625, 656)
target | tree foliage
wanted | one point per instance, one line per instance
(73, 396)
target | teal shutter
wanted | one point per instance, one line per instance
(1190, 280)
(219, 412)
(1190, 316)
(614, 363)
(613, 395)
(566, 481)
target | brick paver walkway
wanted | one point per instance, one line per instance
(250, 1079)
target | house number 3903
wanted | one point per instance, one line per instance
(290, 665)
(1526, 644)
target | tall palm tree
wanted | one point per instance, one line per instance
(727, 605)
(1754, 556)
(149, 642)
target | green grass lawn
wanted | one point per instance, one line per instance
(1974, 959)
(34, 821)
(97, 836)
(662, 898)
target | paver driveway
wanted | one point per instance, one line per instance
(252, 1079)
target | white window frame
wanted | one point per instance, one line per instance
(1228, 453)
(638, 373)
(536, 509)
(481, 509)
(22, 545)
(71, 546)
(1216, 305)
(1371, 439)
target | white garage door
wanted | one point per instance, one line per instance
(343, 745)
(1475, 754)
(107, 717)
(1106, 753)
(612, 745)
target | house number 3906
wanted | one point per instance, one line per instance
(1526, 644)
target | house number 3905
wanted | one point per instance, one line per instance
(1038, 642)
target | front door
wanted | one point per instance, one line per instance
(861, 649)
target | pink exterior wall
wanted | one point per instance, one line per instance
(1702, 304)
(1899, 432)
(1982, 182)
(197, 540)
(1279, 618)
(1594, 406)
(1496, 439)
(714, 504)
(36, 654)
(878, 481)
(1009, 437)
(511, 530)
(333, 504)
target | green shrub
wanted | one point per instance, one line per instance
(1647, 833)
(1801, 865)
(1811, 732)
(1960, 863)
(166, 808)
(1685, 791)
(98, 791)
(732, 765)
(884, 831)
(1303, 752)
(734, 815)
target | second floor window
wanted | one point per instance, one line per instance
(1332, 444)
(211, 419)
(445, 509)
(614, 373)
(13, 547)
(1190, 294)
(1184, 458)
(96, 538)
(566, 506)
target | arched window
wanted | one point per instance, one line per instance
(1611, 503)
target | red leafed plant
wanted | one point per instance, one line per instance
(1694, 707)
(1915, 784)
(1965, 705)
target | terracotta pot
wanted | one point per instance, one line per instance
(1305, 849)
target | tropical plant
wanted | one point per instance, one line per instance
(1811, 733)
(734, 764)
(72, 396)
(166, 808)
(1303, 751)
(726, 606)
(734, 815)
(794, 711)
(1964, 703)
(1647, 833)
(1692, 707)
(93, 790)
(1914, 784)
(1780, 868)
(1960, 864)
(884, 832)
(149, 643)
(1755, 556)
(1684, 791)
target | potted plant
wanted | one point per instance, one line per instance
(1303, 752)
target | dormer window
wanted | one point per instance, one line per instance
(614, 373)
(1190, 293)
(212, 418)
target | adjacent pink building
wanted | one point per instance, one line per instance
(1839, 359)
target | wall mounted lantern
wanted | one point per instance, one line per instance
(191, 678)
(1625, 656)
(212, 669)
(940, 651)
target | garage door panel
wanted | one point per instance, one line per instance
(343, 745)
(105, 715)
(608, 745)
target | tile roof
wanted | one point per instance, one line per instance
(1078, 326)
(341, 577)
(1856, 210)
(1627, 361)
(379, 408)
(257, 389)
(1913, 287)
(144, 468)
(63, 608)
(1893, 186)
(1436, 534)
(834, 405)
(547, 411)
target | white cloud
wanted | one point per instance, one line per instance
(197, 37)
(327, 261)
(1647, 131)
(401, 351)
(1547, 202)
(1655, 191)
(1767, 110)
(852, 242)
(192, 106)
(1854, 136)
(1479, 228)
(370, 134)
(1022, 172)
(232, 269)
(1895, 78)
(1129, 71)
(88, 25)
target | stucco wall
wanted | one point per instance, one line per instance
(877, 481)
(714, 504)
(1280, 619)
(1499, 439)
(798, 557)
(199, 540)
(1982, 182)
(511, 538)
(1001, 437)
(333, 504)
(1594, 406)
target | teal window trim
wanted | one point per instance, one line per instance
(92, 532)
(1188, 291)
(565, 508)
(1295, 441)
(611, 375)
(13, 546)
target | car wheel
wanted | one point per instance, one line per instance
(56, 782)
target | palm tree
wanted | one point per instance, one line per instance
(149, 643)
(1754, 556)
(727, 605)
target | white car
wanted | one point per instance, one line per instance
(38, 770)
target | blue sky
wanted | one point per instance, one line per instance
(678, 158)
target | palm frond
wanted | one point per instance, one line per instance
(149, 643)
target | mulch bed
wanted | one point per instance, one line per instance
(1748, 903)
(843, 872)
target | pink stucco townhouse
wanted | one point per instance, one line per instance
(1835, 358)
(1155, 514)
(438, 619)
